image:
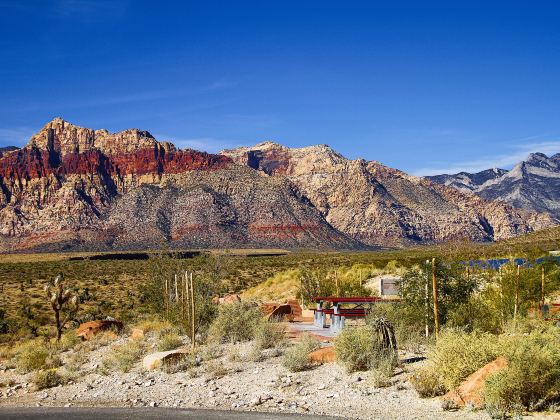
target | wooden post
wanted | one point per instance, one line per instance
(426, 297)
(166, 299)
(188, 298)
(500, 278)
(336, 283)
(542, 286)
(176, 292)
(182, 298)
(516, 306)
(193, 312)
(434, 285)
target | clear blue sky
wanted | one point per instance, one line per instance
(421, 86)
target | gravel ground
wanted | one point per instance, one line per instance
(264, 386)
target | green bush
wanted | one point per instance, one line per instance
(457, 354)
(532, 373)
(123, 357)
(235, 322)
(407, 323)
(296, 358)
(169, 340)
(47, 379)
(359, 349)
(427, 383)
(355, 348)
(35, 354)
(270, 335)
(68, 341)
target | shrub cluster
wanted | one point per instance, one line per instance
(47, 379)
(530, 381)
(235, 322)
(297, 358)
(124, 356)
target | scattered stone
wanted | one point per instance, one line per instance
(155, 360)
(88, 330)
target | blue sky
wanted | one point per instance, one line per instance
(422, 86)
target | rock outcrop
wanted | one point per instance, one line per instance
(76, 188)
(73, 188)
(532, 185)
(379, 205)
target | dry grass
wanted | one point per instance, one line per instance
(123, 357)
(296, 358)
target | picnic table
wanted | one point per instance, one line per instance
(342, 308)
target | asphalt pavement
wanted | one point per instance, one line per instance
(86, 413)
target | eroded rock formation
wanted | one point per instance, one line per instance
(379, 205)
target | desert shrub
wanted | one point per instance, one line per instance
(296, 358)
(354, 348)
(478, 314)
(454, 289)
(169, 340)
(235, 322)
(153, 325)
(211, 352)
(532, 373)
(33, 355)
(427, 383)
(215, 370)
(75, 361)
(381, 376)
(47, 379)
(457, 354)
(124, 356)
(408, 324)
(68, 341)
(270, 335)
(168, 266)
(234, 355)
(360, 349)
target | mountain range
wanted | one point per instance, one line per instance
(74, 188)
(533, 185)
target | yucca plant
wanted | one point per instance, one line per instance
(63, 302)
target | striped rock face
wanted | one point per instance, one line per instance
(77, 188)
(378, 205)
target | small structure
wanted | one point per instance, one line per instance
(386, 285)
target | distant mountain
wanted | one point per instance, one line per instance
(74, 188)
(468, 182)
(379, 205)
(7, 149)
(77, 188)
(533, 184)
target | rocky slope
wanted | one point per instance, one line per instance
(76, 188)
(533, 184)
(7, 149)
(382, 206)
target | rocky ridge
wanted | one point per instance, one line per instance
(532, 185)
(76, 188)
(379, 205)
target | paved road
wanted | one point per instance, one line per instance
(50, 413)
